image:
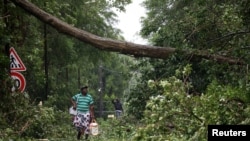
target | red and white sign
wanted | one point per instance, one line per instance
(19, 81)
(16, 63)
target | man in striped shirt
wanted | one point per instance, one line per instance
(83, 104)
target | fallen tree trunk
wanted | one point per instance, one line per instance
(128, 48)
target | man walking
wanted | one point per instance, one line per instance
(118, 107)
(83, 104)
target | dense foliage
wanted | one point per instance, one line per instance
(174, 114)
(212, 26)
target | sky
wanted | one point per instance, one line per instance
(129, 22)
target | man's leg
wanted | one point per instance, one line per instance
(86, 136)
(119, 113)
(79, 135)
(87, 131)
(76, 123)
(80, 128)
(116, 114)
(87, 121)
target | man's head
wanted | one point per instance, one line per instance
(84, 89)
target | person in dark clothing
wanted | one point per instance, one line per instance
(118, 107)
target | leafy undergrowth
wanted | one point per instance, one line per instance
(173, 114)
(61, 129)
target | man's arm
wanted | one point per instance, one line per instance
(73, 103)
(121, 107)
(91, 109)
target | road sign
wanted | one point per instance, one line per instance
(19, 81)
(16, 63)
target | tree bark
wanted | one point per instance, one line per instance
(128, 48)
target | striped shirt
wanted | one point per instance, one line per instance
(83, 102)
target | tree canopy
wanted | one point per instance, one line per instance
(118, 46)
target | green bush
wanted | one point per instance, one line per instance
(176, 114)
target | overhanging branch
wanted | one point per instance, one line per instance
(107, 44)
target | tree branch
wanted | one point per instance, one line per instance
(229, 35)
(122, 47)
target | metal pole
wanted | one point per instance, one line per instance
(46, 64)
(101, 91)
